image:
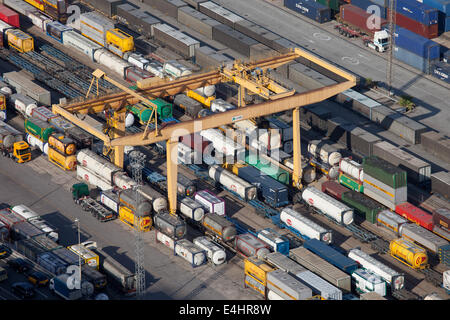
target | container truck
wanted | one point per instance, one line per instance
(12, 144)
(356, 22)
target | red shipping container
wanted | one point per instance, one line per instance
(428, 32)
(334, 189)
(9, 16)
(357, 17)
(416, 215)
(195, 141)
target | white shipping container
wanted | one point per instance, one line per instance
(35, 142)
(271, 138)
(287, 286)
(352, 168)
(367, 281)
(138, 60)
(5, 26)
(327, 205)
(272, 238)
(25, 105)
(165, 240)
(84, 174)
(215, 252)
(210, 202)
(111, 61)
(319, 285)
(25, 212)
(101, 166)
(232, 182)
(155, 68)
(191, 209)
(395, 279)
(110, 200)
(222, 143)
(95, 25)
(325, 152)
(190, 252)
(41, 224)
(305, 226)
(175, 69)
(284, 263)
(220, 105)
(80, 43)
(206, 91)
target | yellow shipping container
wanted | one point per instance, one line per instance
(257, 269)
(119, 39)
(19, 40)
(61, 143)
(87, 255)
(409, 253)
(127, 216)
(65, 162)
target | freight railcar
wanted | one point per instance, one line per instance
(232, 182)
(57, 9)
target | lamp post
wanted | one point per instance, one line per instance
(79, 245)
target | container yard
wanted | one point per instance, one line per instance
(206, 150)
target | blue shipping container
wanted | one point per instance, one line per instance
(441, 5)
(310, 9)
(331, 255)
(364, 4)
(417, 11)
(272, 191)
(441, 70)
(416, 44)
(446, 56)
(414, 60)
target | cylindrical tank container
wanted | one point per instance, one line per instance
(325, 152)
(113, 62)
(127, 198)
(63, 161)
(328, 206)
(95, 163)
(38, 128)
(175, 69)
(232, 182)
(219, 226)
(8, 137)
(123, 181)
(305, 226)
(190, 252)
(171, 225)
(62, 144)
(158, 201)
(352, 168)
(205, 112)
(92, 178)
(216, 254)
(206, 91)
(129, 120)
(23, 104)
(127, 216)
(408, 253)
(191, 209)
(249, 245)
(391, 221)
(220, 105)
(165, 240)
(35, 142)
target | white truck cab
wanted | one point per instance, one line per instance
(380, 41)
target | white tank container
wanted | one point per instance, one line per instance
(111, 61)
(4, 26)
(25, 212)
(175, 69)
(391, 221)
(273, 296)
(328, 205)
(155, 68)
(216, 254)
(165, 240)
(6, 91)
(232, 182)
(394, 278)
(137, 60)
(333, 172)
(123, 181)
(324, 152)
(206, 91)
(352, 168)
(185, 154)
(190, 252)
(129, 120)
(305, 226)
(220, 105)
(85, 174)
(35, 142)
(191, 209)
(95, 163)
(25, 105)
(158, 201)
(270, 139)
(222, 143)
(308, 172)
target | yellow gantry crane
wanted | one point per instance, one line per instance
(250, 76)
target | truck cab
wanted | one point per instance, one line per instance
(380, 41)
(79, 190)
(21, 152)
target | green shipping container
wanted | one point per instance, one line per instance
(350, 183)
(332, 4)
(363, 205)
(38, 128)
(270, 169)
(385, 172)
(143, 110)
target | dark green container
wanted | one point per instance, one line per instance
(363, 205)
(385, 172)
(350, 183)
(270, 169)
(38, 128)
(332, 4)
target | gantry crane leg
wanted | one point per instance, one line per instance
(172, 173)
(297, 174)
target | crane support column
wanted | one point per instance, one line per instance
(172, 173)
(119, 131)
(297, 174)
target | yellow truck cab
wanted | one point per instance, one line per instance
(21, 152)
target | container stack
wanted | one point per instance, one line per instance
(443, 7)
(441, 70)
(415, 50)
(311, 9)
(61, 151)
(384, 182)
(256, 275)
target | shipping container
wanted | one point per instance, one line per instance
(43, 113)
(331, 255)
(219, 226)
(428, 31)
(437, 144)
(423, 237)
(422, 64)
(307, 228)
(249, 245)
(190, 106)
(94, 26)
(408, 253)
(219, 13)
(216, 253)
(56, 30)
(334, 189)
(417, 11)
(19, 40)
(89, 257)
(190, 252)
(356, 101)
(321, 267)
(367, 281)
(416, 44)
(383, 193)
(176, 40)
(391, 221)
(197, 21)
(257, 269)
(23, 104)
(277, 242)
(416, 215)
(92, 178)
(441, 218)
(351, 183)
(371, 7)
(119, 41)
(363, 205)
(441, 70)
(171, 225)
(233, 183)
(52, 263)
(61, 143)
(210, 202)
(287, 286)
(24, 230)
(268, 168)
(191, 209)
(9, 16)
(309, 8)
(40, 129)
(440, 183)
(384, 171)
(358, 18)
(233, 39)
